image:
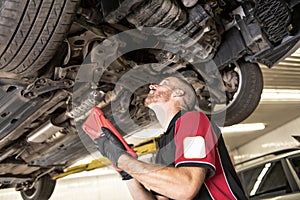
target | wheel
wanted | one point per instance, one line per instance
(31, 32)
(42, 189)
(243, 83)
(243, 101)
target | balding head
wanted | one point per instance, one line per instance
(184, 90)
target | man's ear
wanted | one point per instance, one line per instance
(178, 93)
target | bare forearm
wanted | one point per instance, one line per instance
(163, 180)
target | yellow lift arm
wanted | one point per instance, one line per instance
(143, 148)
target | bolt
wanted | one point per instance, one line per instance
(29, 94)
(41, 81)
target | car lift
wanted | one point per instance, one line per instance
(143, 148)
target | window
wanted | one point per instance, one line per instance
(295, 161)
(265, 180)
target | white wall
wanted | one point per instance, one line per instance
(278, 139)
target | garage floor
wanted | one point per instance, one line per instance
(86, 185)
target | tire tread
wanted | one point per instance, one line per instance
(42, 28)
(249, 97)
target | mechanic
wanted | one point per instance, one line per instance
(192, 161)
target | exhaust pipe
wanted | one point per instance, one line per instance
(44, 132)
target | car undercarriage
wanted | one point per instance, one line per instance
(59, 59)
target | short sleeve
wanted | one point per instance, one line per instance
(195, 142)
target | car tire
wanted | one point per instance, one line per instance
(248, 95)
(42, 189)
(31, 32)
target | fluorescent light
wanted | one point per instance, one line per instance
(148, 133)
(243, 127)
(280, 95)
(144, 134)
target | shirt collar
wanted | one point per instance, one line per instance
(174, 119)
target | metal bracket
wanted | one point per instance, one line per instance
(45, 85)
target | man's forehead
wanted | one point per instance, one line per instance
(168, 81)
(164, 82)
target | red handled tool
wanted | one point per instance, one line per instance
(96, 120)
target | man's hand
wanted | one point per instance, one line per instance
(110, 146)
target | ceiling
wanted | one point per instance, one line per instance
(284, 75)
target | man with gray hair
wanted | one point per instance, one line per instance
(192, 161)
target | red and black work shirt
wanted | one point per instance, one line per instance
(191, 140)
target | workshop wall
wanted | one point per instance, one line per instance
(278, 139)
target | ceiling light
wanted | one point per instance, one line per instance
(148, 133)
(280, 95)
(243, 128)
